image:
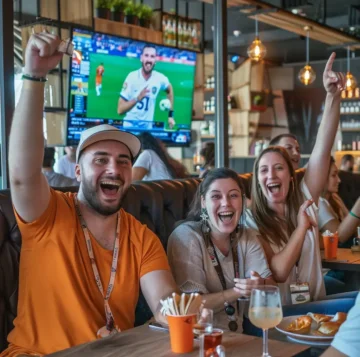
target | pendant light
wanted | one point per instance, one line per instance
(307, 75)
(256, 51)
(350, 79)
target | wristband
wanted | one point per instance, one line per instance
(354, 215)
(34, 79)
(171, 113)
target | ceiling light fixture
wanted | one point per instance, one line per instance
(307, 75)
(256, 51)
(350, 79)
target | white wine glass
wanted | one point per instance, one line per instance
(265, 311)
(203, 325)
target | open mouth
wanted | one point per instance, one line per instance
(110, 187)
(274, 187)
(226, 216)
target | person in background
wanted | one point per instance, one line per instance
(208, 156)
(83, 258)
(153, 163)
(99, 78)
(290, 144)
(213, 236)
(54, 179)
(347, 342)
(285, 213)
(347, 163)
(180, 170)
(66, 164)
(339, 219)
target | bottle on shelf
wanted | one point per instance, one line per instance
(173, 32)
(194, 37)
(180, 34)
(357, 92)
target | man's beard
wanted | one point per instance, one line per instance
(92, 200)
(148, 71)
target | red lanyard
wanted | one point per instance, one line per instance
(110, 326)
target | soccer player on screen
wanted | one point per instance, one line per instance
(98, 79)
(140, 90)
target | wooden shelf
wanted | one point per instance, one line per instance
(350, 130)
(209, 90)
(343, 114)
(197, 118)
(207, 136)
(209, 113)
(350, 99)
(126, 30)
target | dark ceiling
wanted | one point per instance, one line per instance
(283, 46)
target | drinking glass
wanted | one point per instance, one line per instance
(265, 311)
(203, 325)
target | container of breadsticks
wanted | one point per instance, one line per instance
(181, 311)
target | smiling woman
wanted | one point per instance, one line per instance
(212, 253)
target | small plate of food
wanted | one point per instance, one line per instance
(312, 329)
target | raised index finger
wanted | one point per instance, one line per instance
(330, 62)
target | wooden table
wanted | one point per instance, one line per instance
(143, 341)
(345, 260)
(349, 263)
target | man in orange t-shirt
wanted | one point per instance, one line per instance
(83, 258)
(99, 77)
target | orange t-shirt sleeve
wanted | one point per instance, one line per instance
(153, 257)
(39, 228)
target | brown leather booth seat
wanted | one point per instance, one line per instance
(158, 204)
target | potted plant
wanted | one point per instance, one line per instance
(118, 7)
(131, 13)
(103, 8)
(145, 15)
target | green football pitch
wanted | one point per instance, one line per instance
(117, 68)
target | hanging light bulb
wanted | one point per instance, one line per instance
(307, 75)
(351, 82)
(256, 51)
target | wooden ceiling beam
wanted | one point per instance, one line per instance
(288, 21)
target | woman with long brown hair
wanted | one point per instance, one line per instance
(285, 212)
(333, 214)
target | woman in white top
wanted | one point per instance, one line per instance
(338, 218)
(154, 163)
(285, 213)
(211, 253)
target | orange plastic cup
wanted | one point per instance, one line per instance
(330, 246)
(181, 332)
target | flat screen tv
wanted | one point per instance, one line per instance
(133, 85)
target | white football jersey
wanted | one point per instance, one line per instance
(134, 84)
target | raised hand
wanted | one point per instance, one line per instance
(303, 219)
(244, 286)
(41, 54)
(143, 94)
(334, 82)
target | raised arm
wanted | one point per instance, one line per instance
(334, 83)
(170, 95)
(29, 188)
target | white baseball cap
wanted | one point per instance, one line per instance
(107, 132)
